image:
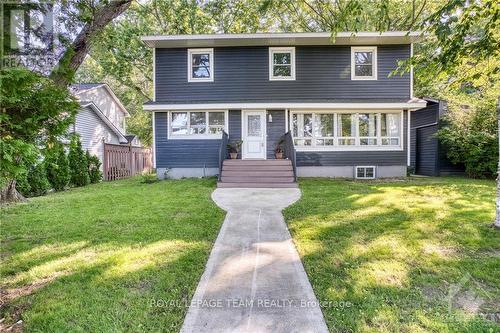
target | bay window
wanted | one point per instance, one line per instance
(195, 124)
(347, 130)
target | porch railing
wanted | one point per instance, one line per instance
(223, 151)
(290, 152)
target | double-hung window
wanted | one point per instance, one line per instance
(197, 124)
(281, 63)
(200, 65)
(344, 130)
(364, 63)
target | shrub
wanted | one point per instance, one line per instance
(149, 178)
(37, 179)
(93, 165)
(57, 167)
(79, 175)
(470, 137)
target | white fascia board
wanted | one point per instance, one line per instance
(283, 39)
(240, 106)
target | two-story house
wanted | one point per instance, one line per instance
(334, 102)
(101, 119)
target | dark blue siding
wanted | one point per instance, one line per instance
(275, 130)
(427, 151)
(242, 75)
(234, 126)
(347, 158)
(183, 153)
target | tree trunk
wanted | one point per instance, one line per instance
(75, 54)
(497, 217)
(10, 194)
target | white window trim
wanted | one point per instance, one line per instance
(196, 136)
(365, 166)
(372, 49)
(356, 146)
(273, 50)
(192, 52)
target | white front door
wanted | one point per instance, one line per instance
(254, 134)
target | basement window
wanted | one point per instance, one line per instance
(365, 172)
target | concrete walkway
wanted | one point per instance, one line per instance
(254, 280)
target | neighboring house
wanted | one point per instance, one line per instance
(101, 118)
(428, 156)
(346, 115)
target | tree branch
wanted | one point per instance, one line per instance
(75, 54)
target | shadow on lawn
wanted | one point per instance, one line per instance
(91, 258)
(394, 249)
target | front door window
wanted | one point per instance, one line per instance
(254, 141)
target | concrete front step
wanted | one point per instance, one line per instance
(252, 173)
(257, 162)
(256, 185)
(256, 167)
(260, 180)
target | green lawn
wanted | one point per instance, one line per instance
(94, 259)
(386, 254)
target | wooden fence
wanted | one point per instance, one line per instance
(122, 161)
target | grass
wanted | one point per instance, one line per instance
(95, 259)
(411, 255)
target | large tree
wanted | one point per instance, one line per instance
(123, 61)
(36, 109)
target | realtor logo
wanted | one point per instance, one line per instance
(27, 34)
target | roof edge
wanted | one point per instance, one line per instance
(294, 38)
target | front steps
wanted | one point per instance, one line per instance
(257, 174)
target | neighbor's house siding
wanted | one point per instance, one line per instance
(105, 102)
(242, 75)
(93, 131)
(352, 158)
(183, 153)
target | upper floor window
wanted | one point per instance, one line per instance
(364, 63)
(281, 63)
(200, 65)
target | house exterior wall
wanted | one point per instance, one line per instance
(106, 103)
(183, 153)
(242, 75)
(428, 156)
(275, 130)
(93, 131)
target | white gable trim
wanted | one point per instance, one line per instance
(105, 119)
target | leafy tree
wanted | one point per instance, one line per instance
(22, 184)
(93, 167)
(470, 137)
(33, 111)
(123, 61)
(79, 175)
(57, 166)
(37, 179)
